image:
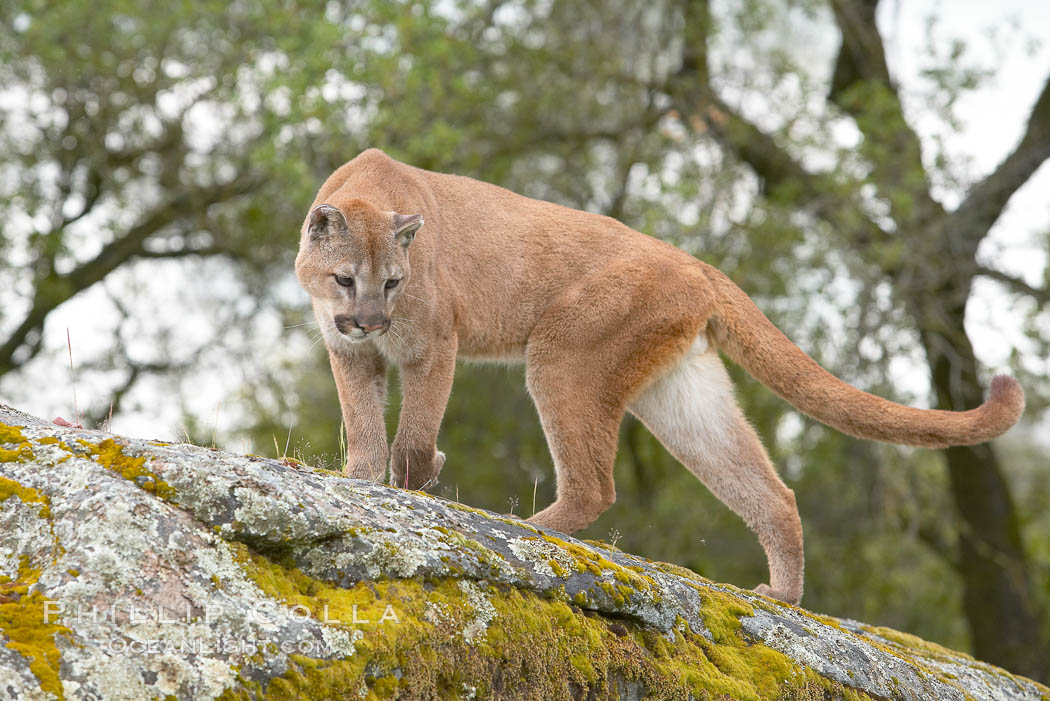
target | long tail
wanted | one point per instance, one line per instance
(751, 340)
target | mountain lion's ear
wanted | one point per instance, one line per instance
(406, 226)
(325, 221)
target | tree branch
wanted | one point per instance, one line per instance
(778, 170)
(53, 290)
(863, 88)
(93, 190)
(986, 200)
(691, 92)
(861, 57)
(1042, 295)
(100, 416)
(579, 137)
(203, 251)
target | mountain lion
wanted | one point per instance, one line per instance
(606, 319)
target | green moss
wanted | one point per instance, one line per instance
(602, 545)
(914, 644)
(679, 571)
(353, 532)
(819, 617)
(27, 495)
(908, 648)
(630, 581)
(616, 596)
(471, 510)
(537, 647)
(9, 488)
(12, 435)
(913, 650)
(111, 456)
(486, 556)
(22, 620)
(516, 522)
(22, 452)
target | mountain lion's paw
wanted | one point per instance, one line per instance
(766, 590)
(365, 470)
(409, 469)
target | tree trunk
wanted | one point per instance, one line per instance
(997, 590)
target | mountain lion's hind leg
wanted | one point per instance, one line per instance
(581, 434)
(692, 410)
(592, 350)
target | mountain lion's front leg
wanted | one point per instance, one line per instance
(361, 382)
(415, 460)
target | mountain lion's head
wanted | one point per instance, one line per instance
(353, 261)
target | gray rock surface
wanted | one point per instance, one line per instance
(179, 571)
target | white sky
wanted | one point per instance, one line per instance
(993, 121)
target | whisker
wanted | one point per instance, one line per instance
(328, 326)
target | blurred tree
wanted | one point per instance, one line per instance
(148, 131)
(652, 113)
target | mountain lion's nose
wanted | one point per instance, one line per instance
(346, 323)
(366, 327)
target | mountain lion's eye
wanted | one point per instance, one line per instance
(392, 283)
(344, 281)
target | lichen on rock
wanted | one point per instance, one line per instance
(134, 569)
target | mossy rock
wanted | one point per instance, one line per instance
(132, 569)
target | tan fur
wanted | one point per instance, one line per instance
(606, 319)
